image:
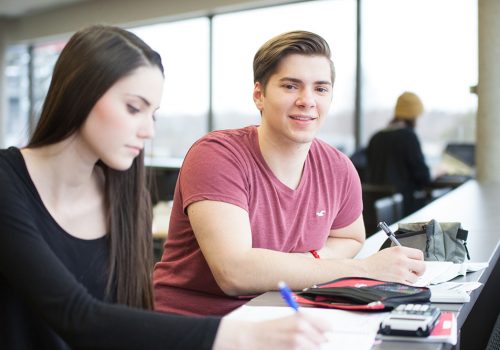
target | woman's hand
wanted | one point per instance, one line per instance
(298, 331)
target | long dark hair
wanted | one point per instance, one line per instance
(92, 61)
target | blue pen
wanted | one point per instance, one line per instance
(286, 293)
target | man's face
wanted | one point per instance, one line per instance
(296, 99)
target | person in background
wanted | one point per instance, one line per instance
(394, 155)
(75, 218)
(260, 204)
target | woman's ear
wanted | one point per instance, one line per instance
(258, 94)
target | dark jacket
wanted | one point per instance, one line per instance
(395, 158)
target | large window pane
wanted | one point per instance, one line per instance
(237, 36)
(428, 47)
(44, 57)
(16, 123)
(182, 117)
(23, 113)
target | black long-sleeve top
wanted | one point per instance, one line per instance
(395, 158)
(52, 284)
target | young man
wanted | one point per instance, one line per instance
(258, 205)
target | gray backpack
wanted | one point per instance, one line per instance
(440, 241)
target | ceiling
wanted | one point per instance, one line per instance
(17, 8)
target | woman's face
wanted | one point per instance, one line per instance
(123, 118)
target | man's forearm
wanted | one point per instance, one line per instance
(260, 270)
(340, 248)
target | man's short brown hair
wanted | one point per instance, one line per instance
(269, 56)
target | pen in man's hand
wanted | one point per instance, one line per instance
(286, 293)
(382, 225)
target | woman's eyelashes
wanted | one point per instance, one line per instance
(132, 109)
(135, 110)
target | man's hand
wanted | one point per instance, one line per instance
(396, 264)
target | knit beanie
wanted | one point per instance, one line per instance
(408, 107)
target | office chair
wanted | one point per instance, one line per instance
(389, 209)
(371, 193)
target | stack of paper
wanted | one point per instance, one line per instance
(442, 271)
(439, 272)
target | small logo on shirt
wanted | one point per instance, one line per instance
(320, 213)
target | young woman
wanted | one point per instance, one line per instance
(75, 217)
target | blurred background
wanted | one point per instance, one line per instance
(380, 49)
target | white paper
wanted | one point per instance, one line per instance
(349, 330)
(434, 269)
(455, 287)
(452, 292)
(476, 266)
(443, 271)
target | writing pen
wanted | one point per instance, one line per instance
(286, 294)
(383, 226)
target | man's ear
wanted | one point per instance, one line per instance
(258, 94)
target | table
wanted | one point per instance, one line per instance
(477, 207)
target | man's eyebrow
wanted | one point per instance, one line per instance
(298, 81)
(293, 80)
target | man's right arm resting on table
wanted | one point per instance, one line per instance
(224, 235)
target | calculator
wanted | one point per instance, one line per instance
(417, 320)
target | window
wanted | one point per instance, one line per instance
(44, 58)
(22, 111)
(183, 115)
(16, 124)
(414, 45)
(428, 47)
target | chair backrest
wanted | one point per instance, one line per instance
(389, 209)
(372, 193)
